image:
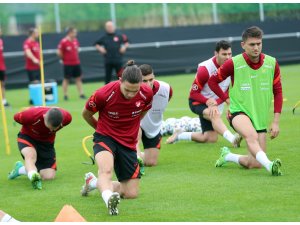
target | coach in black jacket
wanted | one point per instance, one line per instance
(112, 46)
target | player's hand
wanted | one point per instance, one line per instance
(211, 102)
(227, 101)
(213, 111)
(36, 61)
(228, 115)
(274, 130)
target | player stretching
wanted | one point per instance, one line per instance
(151, 123)
(36, 143)
(121, 105)
(205, 103)
(255, 78)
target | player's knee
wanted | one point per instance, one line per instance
(48, 176)
(251, 138)
(151, 163)
(130, 194)
(106, 172)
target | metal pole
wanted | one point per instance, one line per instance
(113, 14)
(165, 15)
(215, 13)
(57, 18)
(261, 12)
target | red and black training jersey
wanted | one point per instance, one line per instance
(33, 123)
(34, 47)
(2, 63)
(69, 49)
(119, 118)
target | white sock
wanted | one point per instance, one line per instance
(4, 101)
(8, 218)
(106, 195)
(185, 136)
(93, 183)
(231, 157)
(262, 158)
(30, 174)
(229, 136)
(22, 171)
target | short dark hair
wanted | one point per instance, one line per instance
(146, 69)
(222, 45)
(252, 32)
(54, 117)
(31, 31)
(132, 73)
(69, 29)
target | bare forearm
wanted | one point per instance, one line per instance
(89, 118)
(276, 118)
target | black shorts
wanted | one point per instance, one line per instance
(34, 75)
(151, 142)
(46, 157)
(2, 75)
(72, 71)
(125, 160)
(242, 113)
(206, 125)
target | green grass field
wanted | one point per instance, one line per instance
(185, 186)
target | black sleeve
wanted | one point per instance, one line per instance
(100, 41)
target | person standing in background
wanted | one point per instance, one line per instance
(112, 46)
(32, 56)
(68, 52)
(2, 72)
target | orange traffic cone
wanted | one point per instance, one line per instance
(69, 214)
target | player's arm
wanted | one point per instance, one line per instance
(201, 79)
(59, 51)
(223, 72)
(24, 117)
(94, 104)
(170, 93)
(278, 100)
(29, 54)
(100, 46)
(88, 116)
(125, 44)
(148, 104)
(67, 118)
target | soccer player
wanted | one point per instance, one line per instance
(112, 46)
(151, 123)
(36, 142)
(206, 104)
(68, 52)
(121, 105)
(4, 217)
(2, 71)
(255, 79)
(32, 55)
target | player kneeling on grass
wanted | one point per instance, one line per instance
(121, 105)
(151, 124)
(205, 103)
(255, 79)
(36, 142)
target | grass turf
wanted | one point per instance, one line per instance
(185, 186)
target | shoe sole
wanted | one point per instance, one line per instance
(85, 190)
(113, 202)
(37, 182)
(276, 171)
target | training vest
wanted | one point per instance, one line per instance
(206, 91)
(151, 123)
(252, 91)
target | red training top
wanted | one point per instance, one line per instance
(69, 50)
(34, 47)
(2, 63)
(227, 69)
(201, 79)
(119, 118)
(33, 123)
